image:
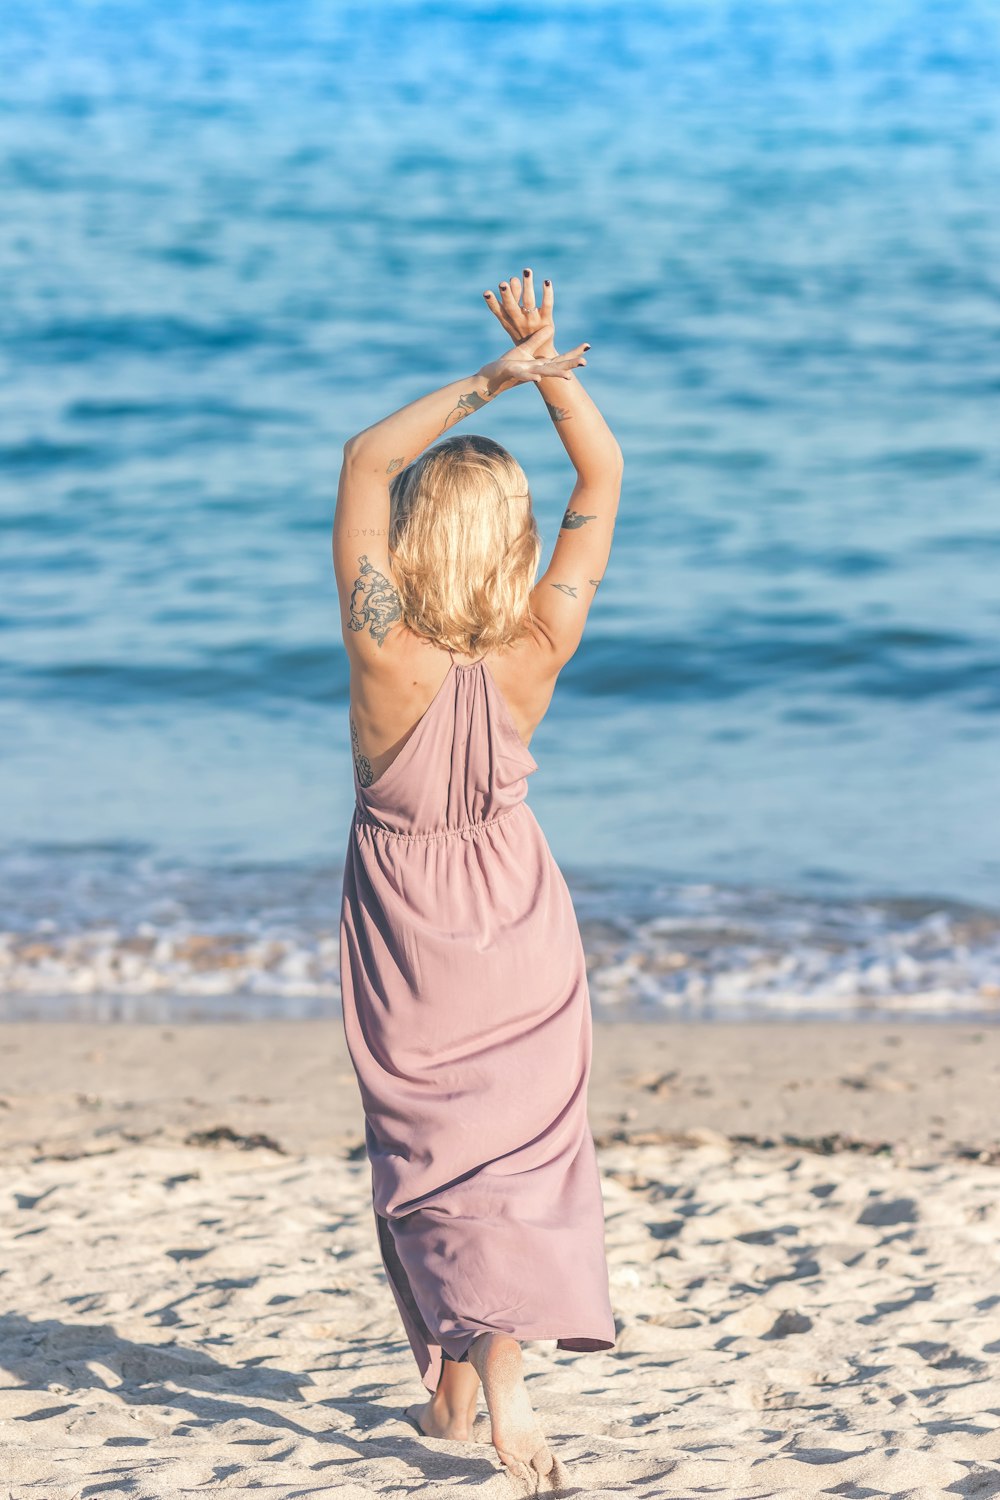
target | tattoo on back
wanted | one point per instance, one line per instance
(557, 413)
(361, 762)
(375, 604)
(566, 588)
(468, 402)
(574, 519)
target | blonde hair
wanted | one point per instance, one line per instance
(464, 545)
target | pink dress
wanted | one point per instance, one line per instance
(467, 1017)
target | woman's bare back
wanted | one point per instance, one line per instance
(391, 696)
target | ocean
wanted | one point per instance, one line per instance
(233, 235)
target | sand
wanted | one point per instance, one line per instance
(803, 1230)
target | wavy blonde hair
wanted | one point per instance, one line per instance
(464, 545)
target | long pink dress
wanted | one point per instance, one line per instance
(467, 1017)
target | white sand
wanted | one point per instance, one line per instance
(181, 1318)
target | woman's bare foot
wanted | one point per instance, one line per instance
(450, 1412)
(517, 1436)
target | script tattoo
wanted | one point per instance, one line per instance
(566, 588)
(397, 463)
(574, 519)
(375, 604)
(468, 402)
(362, 764)
(557, 413)
(366, 531)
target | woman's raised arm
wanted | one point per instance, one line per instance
(561, 599)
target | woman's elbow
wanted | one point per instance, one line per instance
(354, 450)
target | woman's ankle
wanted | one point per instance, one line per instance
(447, 1404)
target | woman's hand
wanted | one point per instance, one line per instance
(525, 363)
(517, 312)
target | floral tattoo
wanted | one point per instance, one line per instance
(375, 604)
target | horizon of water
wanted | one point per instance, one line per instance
(236, 235)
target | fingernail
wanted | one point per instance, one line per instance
(527, 272)
(547, 282)
(503, 286)
(586, 346)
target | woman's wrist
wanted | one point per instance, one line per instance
(489, 383)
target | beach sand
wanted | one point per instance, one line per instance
(803, 1231)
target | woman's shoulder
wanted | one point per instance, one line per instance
(525, 674)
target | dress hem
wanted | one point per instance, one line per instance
(572, 1345)
(431, 1375)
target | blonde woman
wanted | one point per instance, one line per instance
(465, 1001)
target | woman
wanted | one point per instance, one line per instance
(465, 1000)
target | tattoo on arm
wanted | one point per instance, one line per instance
(468, 402)
(594, 581)
(362, 764)
(566, 588)
(375, 604)
(366, 531)
(397, 463)
(574, 519)
(557, 413)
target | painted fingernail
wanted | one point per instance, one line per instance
(503, 286)
(586, 346)
(547, 282)
(527, 272)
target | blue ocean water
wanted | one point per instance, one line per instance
(235, 234)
